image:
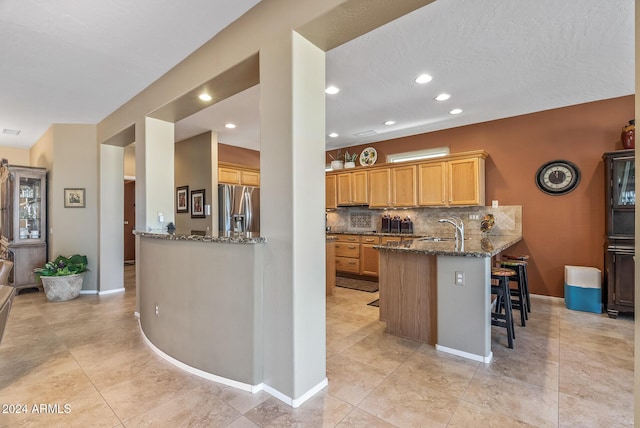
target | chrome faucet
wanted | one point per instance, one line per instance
(459, 225)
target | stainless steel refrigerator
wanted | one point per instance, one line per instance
(238, 209)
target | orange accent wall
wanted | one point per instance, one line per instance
(557, 230)
(238, 155)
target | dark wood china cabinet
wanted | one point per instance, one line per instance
(620, 173)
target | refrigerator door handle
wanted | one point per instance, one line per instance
(248, 209)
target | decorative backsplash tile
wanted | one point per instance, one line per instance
(360, 220)
(508, 219)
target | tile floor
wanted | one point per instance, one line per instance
(568, 369)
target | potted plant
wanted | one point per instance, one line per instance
(350, 159)
(62, 278)
(336, 162)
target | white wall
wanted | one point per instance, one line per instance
(111, 212)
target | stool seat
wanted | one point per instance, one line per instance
(499, 271)
(523, 257)
(512, 262)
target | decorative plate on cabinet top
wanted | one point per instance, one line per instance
(369, 156)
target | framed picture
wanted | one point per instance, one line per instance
(74, 198)
(182, 199)
(197, 204)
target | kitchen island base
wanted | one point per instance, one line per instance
(439, 292)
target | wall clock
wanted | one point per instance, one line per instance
(557, 177)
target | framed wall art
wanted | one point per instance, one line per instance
(74, 197)
(182, 199)
(197, 203)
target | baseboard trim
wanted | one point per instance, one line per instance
(88, 291)
(474, 357)
(201, 373)
(116, 290)
(297, 402)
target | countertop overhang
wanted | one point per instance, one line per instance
(233, 238)
(474, 246)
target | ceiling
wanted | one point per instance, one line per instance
(496, 58)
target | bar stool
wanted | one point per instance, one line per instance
(503, 301)
(518, 295)
(523, 258)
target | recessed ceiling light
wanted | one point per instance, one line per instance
(423, 78)
(229, 125)
(456, 111)
(390, 122)
(205, 97)
(443, 97)
(11, 131)
(333, 135)
(332, 90)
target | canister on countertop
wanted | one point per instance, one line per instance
(406, 226)
(395, 224)
(386, 223)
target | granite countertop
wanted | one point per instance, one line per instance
(375, 233)
(474, 246)
(179, 235)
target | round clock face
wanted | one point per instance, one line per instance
(557, 177)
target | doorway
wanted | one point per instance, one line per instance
(129, 221)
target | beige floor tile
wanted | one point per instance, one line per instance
(195, 407)
(322, 410)
(529, 403)
(383, 351)
(155, 384)
(468, 415)
(57, 379)
(595, 382)
(409, 404)
(351, 381)
(568, 368)
(360, 419)
(242, 401)
(435, 371)
(582, 413)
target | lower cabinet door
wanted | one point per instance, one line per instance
(369, 260)
(347, 264)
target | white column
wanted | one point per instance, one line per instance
(159, 173)
(292, 120)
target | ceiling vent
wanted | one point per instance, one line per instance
(366, 133)
(11, 131)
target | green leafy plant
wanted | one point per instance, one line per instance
(350, 157)
(63, 266)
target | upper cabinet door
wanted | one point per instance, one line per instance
(331, 201)
(228, 175)
(380, 188)
(404, 186)
(360, 187)
(464, 182)
(344, 189)
(432, 187)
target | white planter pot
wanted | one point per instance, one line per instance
(349, 165)
(61, 288)
(337, 164)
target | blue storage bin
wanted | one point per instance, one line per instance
(583, 289)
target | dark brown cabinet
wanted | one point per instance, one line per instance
(619, 286)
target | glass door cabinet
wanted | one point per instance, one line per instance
(23, 221)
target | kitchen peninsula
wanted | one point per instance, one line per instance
(203, 309)
(438, 291)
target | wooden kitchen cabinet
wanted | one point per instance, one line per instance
(352, 188)
(458, 181)
(369, 257)
(466, 181)
(237, 174)
(331, 196)
(393, 187)
(348, 253)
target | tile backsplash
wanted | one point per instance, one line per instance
(508, 219)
